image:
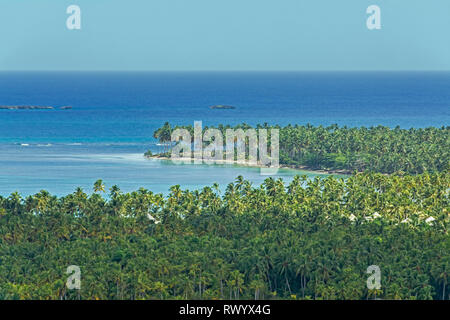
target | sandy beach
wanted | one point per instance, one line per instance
(246, 163)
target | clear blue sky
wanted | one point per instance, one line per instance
(225, 35)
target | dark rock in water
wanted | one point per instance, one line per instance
(26, 108)
(222, 107)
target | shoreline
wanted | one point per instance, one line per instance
(257, 165)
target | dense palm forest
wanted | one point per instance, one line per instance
(379, 149)
(310, 239)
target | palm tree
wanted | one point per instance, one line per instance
(163, 135)
(99, 186)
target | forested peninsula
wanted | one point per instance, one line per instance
(345, 150)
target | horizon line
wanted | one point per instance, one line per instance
(229, 71)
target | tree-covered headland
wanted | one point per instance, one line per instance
(378, 149)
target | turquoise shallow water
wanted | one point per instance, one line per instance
(62, 167)
(114, 116)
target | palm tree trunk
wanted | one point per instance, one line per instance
(287, 282)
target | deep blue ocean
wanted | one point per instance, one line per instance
(113, 117)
